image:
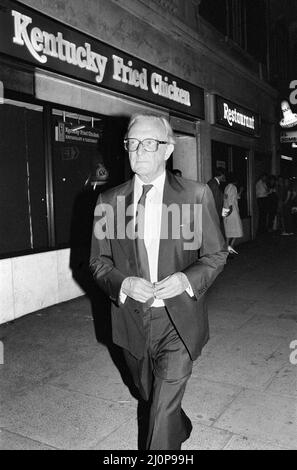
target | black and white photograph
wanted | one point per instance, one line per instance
(148, 235)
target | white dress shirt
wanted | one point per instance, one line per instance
(152, 224)
(261, 189)
(152, 227)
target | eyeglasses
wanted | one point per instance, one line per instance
(150, 145)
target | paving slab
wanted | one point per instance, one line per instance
(241, 292)
(123, 438)
(284, 381)
(285, 295)
(230, 304)
(276, 309)
(202, 438)
(11, 441)
(91, 378)
(246, 443)
(265, 325)
(206, 438)
(241, 359)
(61, 418)
(29, 364)
(41, 328)
(227, 320)
(259, 415)
(205, 400)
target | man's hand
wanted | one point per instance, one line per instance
(138, 289)
(171, 286)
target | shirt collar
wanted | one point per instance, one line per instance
(158, 183)
(217, 180)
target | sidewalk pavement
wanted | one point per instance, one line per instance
(60, 387)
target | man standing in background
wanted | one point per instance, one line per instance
(262, 200)
(218, 193)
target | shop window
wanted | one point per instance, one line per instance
(88, 157)
(220, 155)
(22, 179)
(262, 163)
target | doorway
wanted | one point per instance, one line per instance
(185, 154)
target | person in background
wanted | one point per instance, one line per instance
(294, 207)
(281, 192)
(272, 203)
(155, 281)
(215, 185)
(232, 222)
(288, 204)
(262, 201)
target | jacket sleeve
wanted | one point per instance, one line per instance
(106, 275)
(213, 250)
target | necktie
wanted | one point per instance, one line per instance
(142, 258)
(141, 253)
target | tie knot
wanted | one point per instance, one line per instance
(145, 189)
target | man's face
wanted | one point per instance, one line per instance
(149, 165)
(222, 178)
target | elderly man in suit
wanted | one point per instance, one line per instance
(156, 266)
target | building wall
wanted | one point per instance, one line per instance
(156, 31)
(32, 282)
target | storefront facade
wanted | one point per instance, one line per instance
(234, 135)
(72, 73)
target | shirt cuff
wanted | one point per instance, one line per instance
(189, 291)
(122, 297)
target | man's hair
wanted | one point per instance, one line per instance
(219, 171)
(232, 178)
(156, 117)
(262, 175)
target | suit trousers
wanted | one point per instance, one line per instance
(161, 376)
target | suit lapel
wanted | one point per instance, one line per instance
(166, 261)
(125, 220)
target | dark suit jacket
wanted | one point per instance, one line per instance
(217, 195)
(113, 259)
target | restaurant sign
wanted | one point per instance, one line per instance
(288, 137)
(67, 132)
(236, 117)
(44, 42)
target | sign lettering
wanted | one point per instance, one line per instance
(39, 40)
(236, 117)
(233, 116)
(56, 46)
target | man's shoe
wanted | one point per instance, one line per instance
(188, 425)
